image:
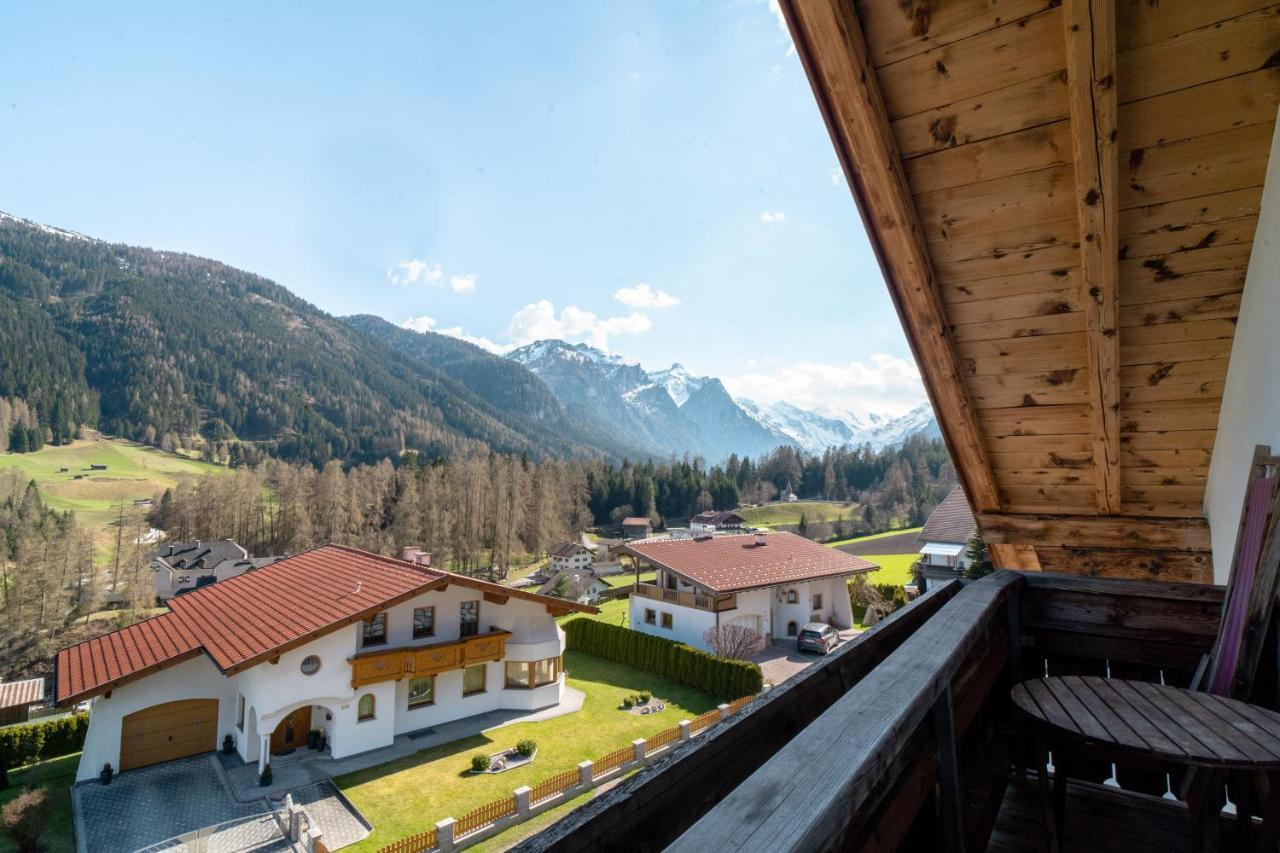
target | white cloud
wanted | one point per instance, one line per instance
(428, 324)
(837, 176)
(882, 383)
(414, 271)
(776, 11)
(462, 283)
(773, 216)
(538, 321)
(644, 296)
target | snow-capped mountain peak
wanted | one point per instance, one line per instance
(679, 382)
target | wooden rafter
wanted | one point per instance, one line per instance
(829, 40)
(1091, 89)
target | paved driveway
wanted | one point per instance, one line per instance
(780, 660)
(146, 806)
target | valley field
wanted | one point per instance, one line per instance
(789, 513)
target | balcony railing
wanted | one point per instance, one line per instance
(905, 737)
(410, 661)
(699, 600)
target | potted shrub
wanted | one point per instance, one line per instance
(479, 763)
(265, 779)
(106, 774)
(313, 739)
(527, 747)
(228, 745)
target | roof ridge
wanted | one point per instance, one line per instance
(395, 561)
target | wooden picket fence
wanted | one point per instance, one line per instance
(701, 721)
(548, 788)
(661, 739)
(413, 844)
(611, 760)
(484, 815)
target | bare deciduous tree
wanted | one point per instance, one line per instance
(733, 641)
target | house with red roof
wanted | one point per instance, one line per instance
(335, 648)
(773, 583)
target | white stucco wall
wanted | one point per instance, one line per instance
(688, 623)
(1250, 404)
(197, 678)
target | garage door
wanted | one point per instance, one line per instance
(168, 731)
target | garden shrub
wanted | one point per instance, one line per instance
(724, 678)
(479, 762)
(628, 702)
(24, 744)
(526, 747)
(644, 697)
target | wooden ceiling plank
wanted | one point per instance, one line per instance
(1218, 306)
(1040, 444)
(1174, 566)
(1009, 54)
(1005, 262)
(1229, 160)
(1191, 212)
(1037, 420)
(1200, 110)
(1047, 303)
(1169, 417)
(1143, 442)
(1091, 91)
(1038, 101)
(1146, 285)
(1042, 459)
(1012, 154)
(1166, 391)
(1044, 388)
(1202, 330)
(1142, 22)
(1019, 355)
(1040, 281)
(829, 40)
(1191, 238)
(896, 31)
(1013, 233)
(1019, 327)
(1194, 57)
(1096, 531)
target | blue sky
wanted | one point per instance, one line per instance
(651, 177)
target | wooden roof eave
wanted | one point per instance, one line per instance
(829, 41)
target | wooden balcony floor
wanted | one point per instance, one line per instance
(1099, 820)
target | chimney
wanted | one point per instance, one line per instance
(760, 540)
(417, 556)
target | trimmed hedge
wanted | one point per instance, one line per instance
(23, 744)
(724, 678)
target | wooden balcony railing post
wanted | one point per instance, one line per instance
(944, 734)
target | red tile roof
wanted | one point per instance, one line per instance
(243, 620)
(21, 692)
(635, 521)
(734, 563)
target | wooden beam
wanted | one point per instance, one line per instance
(1091, 91)
(1092, 531)
(828, 38)
(495, 598)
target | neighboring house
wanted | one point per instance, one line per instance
(944, 537)
(569, 556)
(359, 647)
(636, 528)
(183, 566)
(604, 554)
(580, 585)
(17, 697)
(716, 521)
(773, 583)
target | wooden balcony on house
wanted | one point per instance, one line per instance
(700, 600)
(906, 736)
(408, 661)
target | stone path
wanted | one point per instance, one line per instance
(338, 819)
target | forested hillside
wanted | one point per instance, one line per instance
(158, 346)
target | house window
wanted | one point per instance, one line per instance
(424, 622)
(650, 616)
(375, 630)
(473, 679)
(240, 712)
(817, 601)
(793, 597)
(310, 665)
(365, 708)
(422, 691)
(529, 674)
(469, 619)
(666, 620)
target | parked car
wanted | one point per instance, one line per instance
(817, 637)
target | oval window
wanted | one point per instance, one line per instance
(310, 665)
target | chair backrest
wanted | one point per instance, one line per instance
(1252, 585)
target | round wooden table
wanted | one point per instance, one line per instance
(1156, 725)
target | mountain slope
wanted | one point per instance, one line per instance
(150, 344)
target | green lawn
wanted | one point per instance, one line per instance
(409, 795)
(873, 536)
(628, 578)
(789, 513)
(57, 775)
(894, 568)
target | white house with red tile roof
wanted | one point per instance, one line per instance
(773, 583)
(356, 647)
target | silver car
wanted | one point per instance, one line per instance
(817, 637)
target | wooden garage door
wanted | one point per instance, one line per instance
(168, 731)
